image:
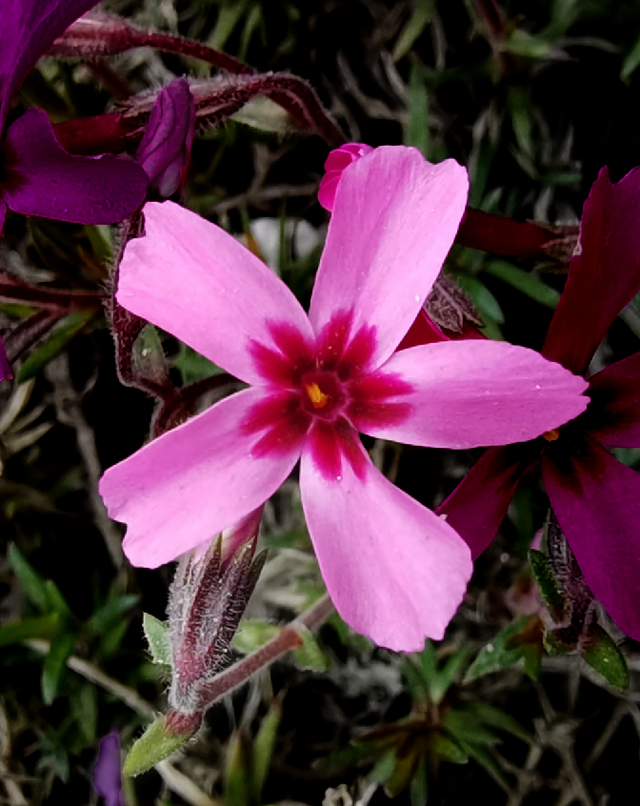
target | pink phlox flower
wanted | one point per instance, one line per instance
(595, 497)
(396, 572)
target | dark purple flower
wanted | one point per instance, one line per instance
(37, 177)
(596, 498)
(107, 778)
(166, 144)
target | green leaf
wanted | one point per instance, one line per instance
(263, 747)
(449, 674)
(84, 705)
(496, 655)
(157, 635)
(420, 784)
(465, 726)
(111, 612)
(39, 627)
(229, 16)
(32, 583)
(630, 62)
(497, 718)
(403, 772)
(519, 107)
(415, 26)
(252, 634)
(154, 746)
(481, 297)
(310, 655)
(193, 366)
(548, 585)
(603, 654)
(418, 106)
(237, 778)
(55, 344)
(448, 749)
(55, 665)
(523, 281)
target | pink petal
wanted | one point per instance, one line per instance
(194, 280)
(477, 392)
(395, 571)
(479, 504)
(603, 277)
(193, 482)
(597, 502)
(394, 220)
(615, 393)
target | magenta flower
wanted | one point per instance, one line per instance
(165, 148)
(336, 162)
(37, 177)
(596, 499)
(396, 572)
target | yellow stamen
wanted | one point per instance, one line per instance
(552, 435)
(317, 397)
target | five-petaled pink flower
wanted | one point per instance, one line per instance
(396, 572)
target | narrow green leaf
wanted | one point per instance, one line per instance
(112, 611)
(481, 297)
(449, 674)
(237, 773)
(54, 345)
(252, 634)
(32, 583)
(418, 107)
(403, 772)
(496, 655)
(523, 281)
(603, 654)
(420, 784)
(519, 107)
(310, 655)
(415, 26)
(157, 634)
(448, 749)
(630, 62)
(263, 747)
(229, 16)
(154, 746)
(497, 718)
(84, 706)
(55, 664)
(465, 726)
(39, 627)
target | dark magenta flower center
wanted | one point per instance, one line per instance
(325, 391)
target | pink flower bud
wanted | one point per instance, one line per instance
(337, 161)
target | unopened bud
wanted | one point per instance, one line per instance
(208, 596)
(165, 148)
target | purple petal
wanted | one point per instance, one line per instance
(597, 502)
(28, 28)
(193, 482)
(479, 504)
(615, 396)
(603, 277)
(165, 148)
(473, 393)
(44, 180)
(107, 778)
(394, 220)
(5, 366)
(195, 281)
(395, 571)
